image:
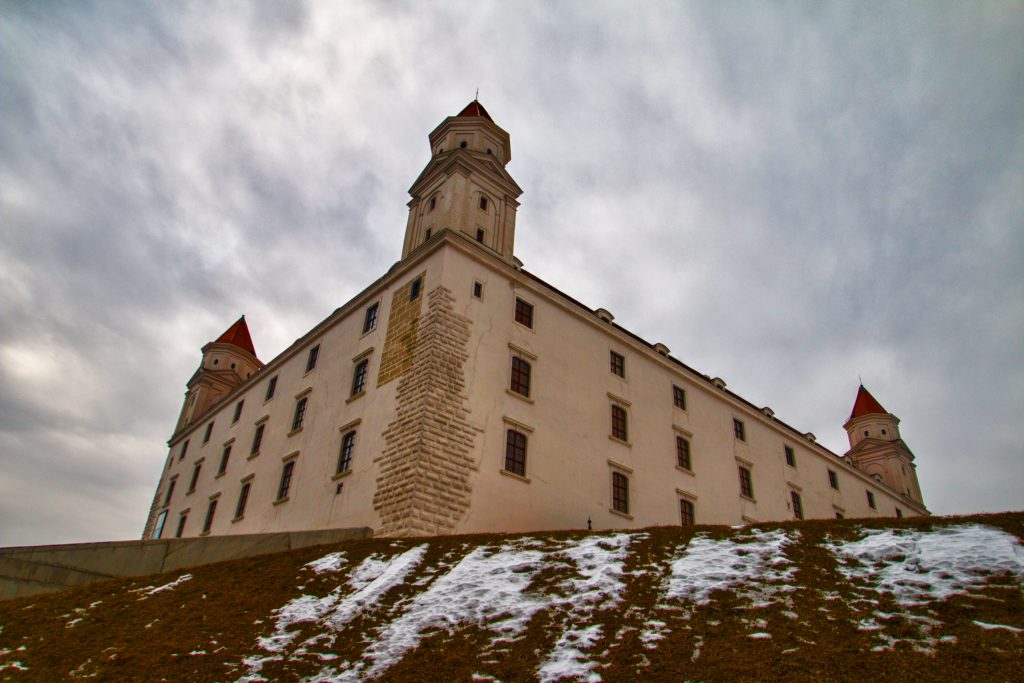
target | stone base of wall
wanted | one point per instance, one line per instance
(30, 570)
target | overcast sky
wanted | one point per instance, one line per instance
(790, 196)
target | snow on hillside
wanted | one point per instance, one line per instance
(795, 600)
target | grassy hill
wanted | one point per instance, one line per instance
(916, 599)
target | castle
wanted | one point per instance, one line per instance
(460, 393)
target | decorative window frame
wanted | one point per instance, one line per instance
(614, 400)
(376, 321)
(686, 434)
(356, 360)
(527, 430)
(523, 354)
(615, 467)
(343, 430)
(304, 394)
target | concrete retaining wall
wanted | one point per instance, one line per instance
(29, 570)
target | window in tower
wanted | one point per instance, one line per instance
(798, 508)
(679, 397)
(746, 483)
(520, 382)
(348, 444)
(426, 235)
(432, 203)
(480, 235)
(515, 452)
(300, 413)
(618, 364)
(524, 313)
(314, 353)
(243, 498)
(414, 290)
(620, 428)
(478, 290)
(210, 512)
(739, 430)
(620, 493)
(483, 203)
(683, 453)
(359, 377)
(370, 318)
(286, 481)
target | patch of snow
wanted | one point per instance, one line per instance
(14, 665)
(197, 652)
(599, 562)
(760, 635)
(486, 588)
(918, 567)
(72, 622)
(150, 590)
(328, 563)
(752, 563)
(990, 627)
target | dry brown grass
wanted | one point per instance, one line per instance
(225, 607)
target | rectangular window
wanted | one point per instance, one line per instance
(209, 430)
(238, 411)
(619, 424)
(620, 492)
(300, 413)
(181, 525)
(524, 313)
(170, 491)
(683, 453)
(833, 480)
(739, 430)
(618, 364)
(243, 498)
(686, 512)
(184, 450)
(679, 397)
(515, 453)
(520, 382)
(210, 511)
(483, 205)
(224, 460)
(790, 456)
(370, 319)
(348, 444)
(257, 439)
(478, 290)
(746, 483)
(899, 513)
(286, 480)
(871, 500)
(426, 235)
(314, 353)
(479, 235)
(414, 291)
(158, 528)
(359, 377)
(195, 477)
(798, 508)
(271, 388)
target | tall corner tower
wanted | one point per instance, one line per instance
(876, 446)
(227, 362)
(465, 187)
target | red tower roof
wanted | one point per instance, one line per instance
(866, 404)
(474, 108)
(238, 335)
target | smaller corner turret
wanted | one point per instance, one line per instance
(464, 187)
(877, 448)
(227, 362)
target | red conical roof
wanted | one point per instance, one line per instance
(474, 108)
(238, 335)
(866, 404)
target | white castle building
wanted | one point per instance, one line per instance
(460, 393)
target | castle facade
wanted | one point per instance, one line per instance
(460, 393)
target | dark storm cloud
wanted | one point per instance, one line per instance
(787, 195)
